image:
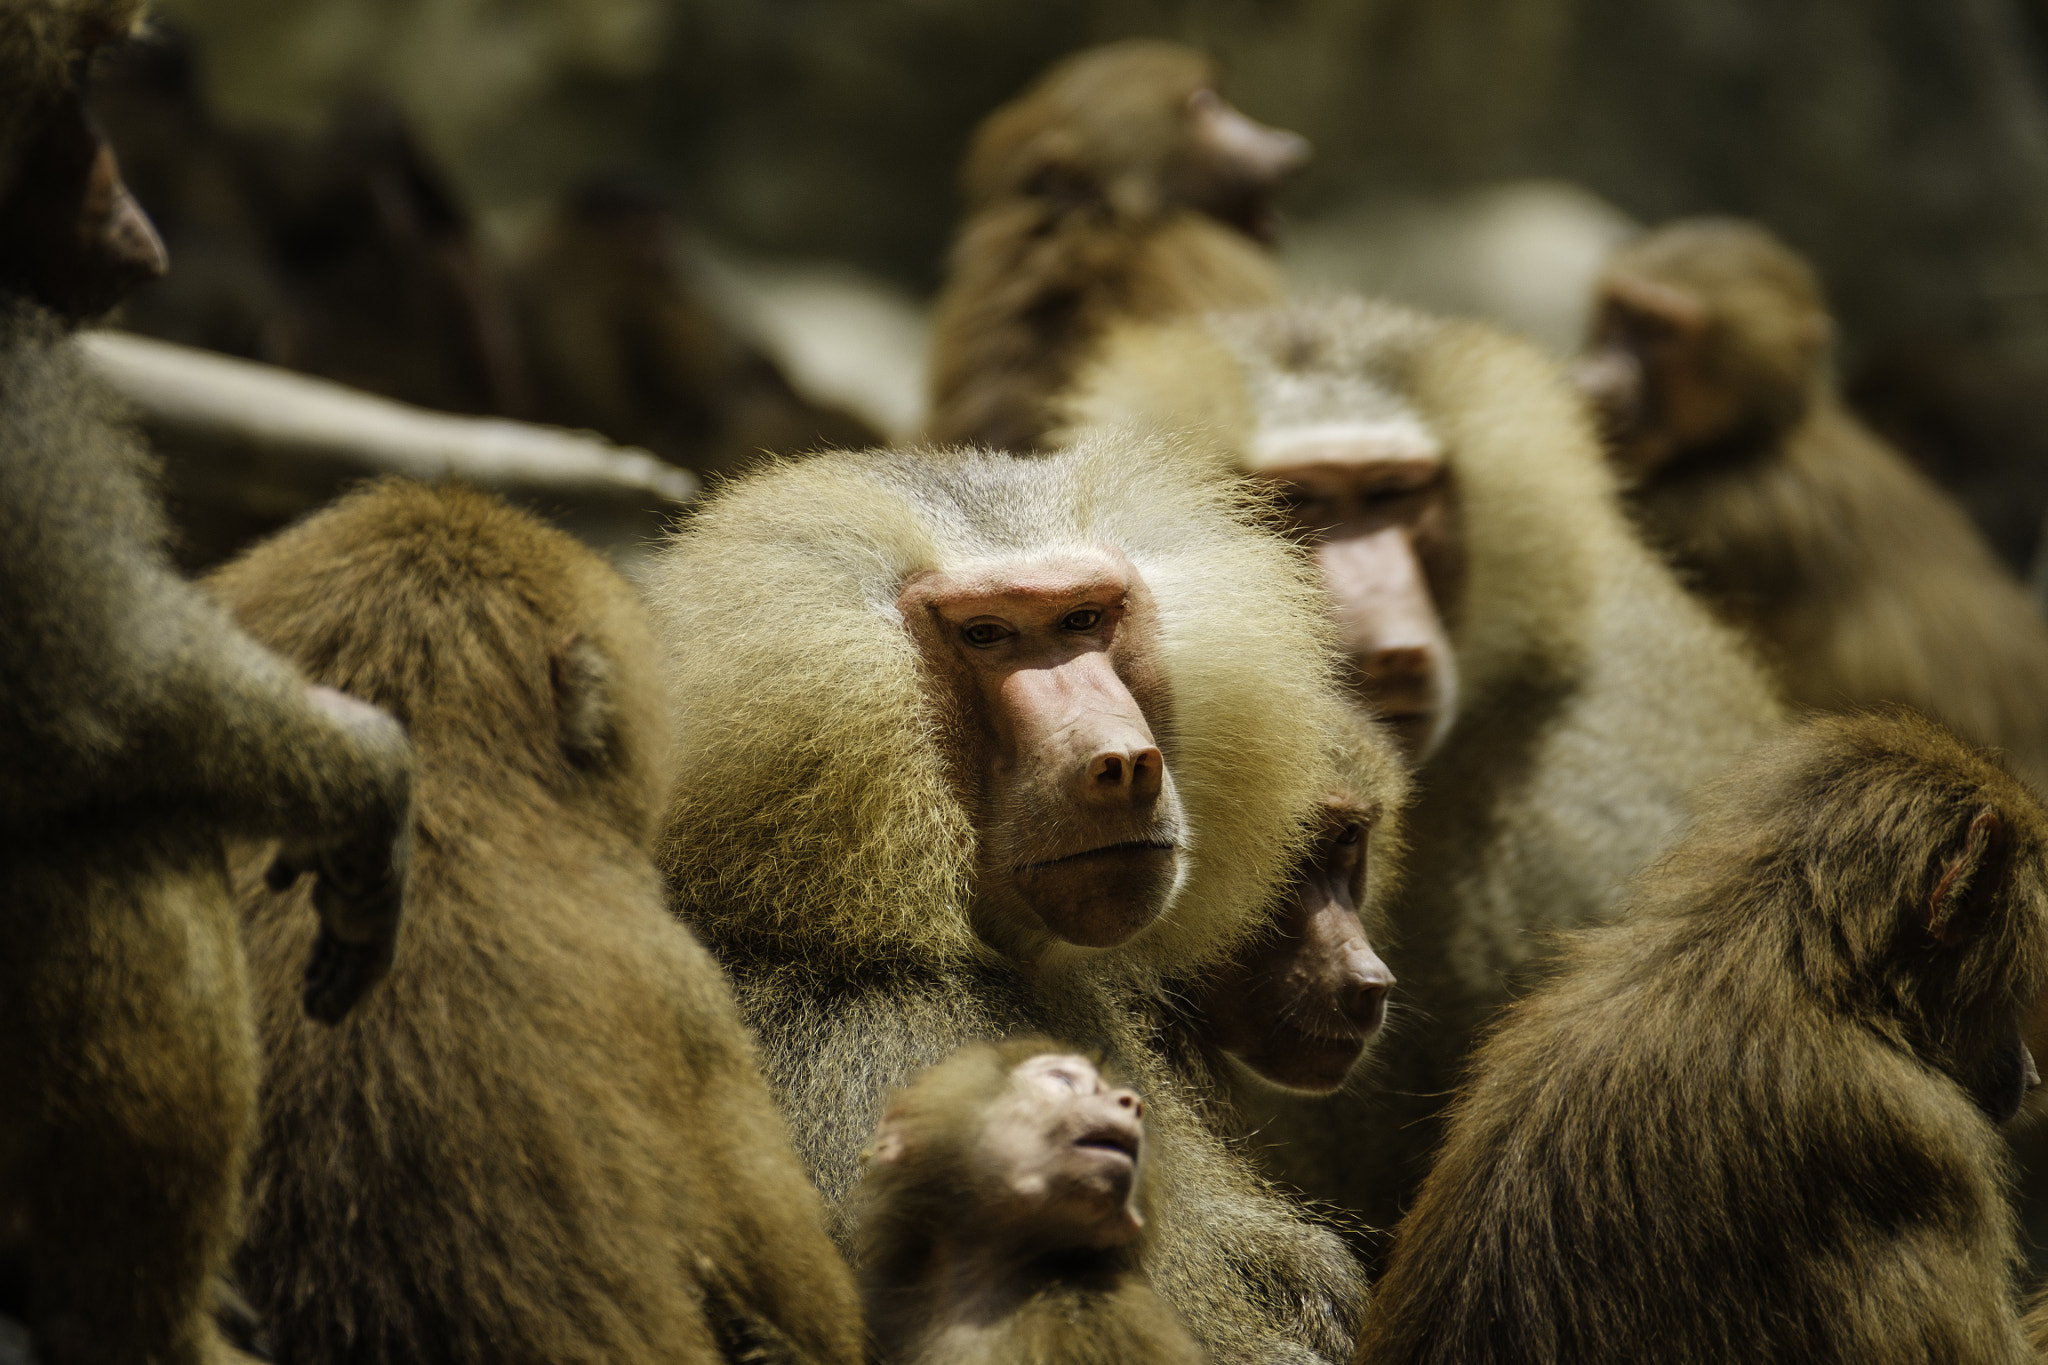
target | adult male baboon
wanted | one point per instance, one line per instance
(1755, 1118)
(1119, 185)
(140, 730)
(1003, 1213)
(1863, 581)
(953, 723)
(546, 1139)
(1560, 692)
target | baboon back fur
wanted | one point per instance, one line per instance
(546, 1138)
(1729, 1129)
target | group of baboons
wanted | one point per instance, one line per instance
(940, 911)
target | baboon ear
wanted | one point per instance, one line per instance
(583, 678)
(1967, 880)
(890, 1145)
(1678, 311)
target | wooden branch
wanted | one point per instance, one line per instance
(274, 426)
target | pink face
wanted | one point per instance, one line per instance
(1051, 665)
(1059, 1154)
(1386, 537)
(1301, 1004)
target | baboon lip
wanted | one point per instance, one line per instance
(1108, 1139)
(1128, 846)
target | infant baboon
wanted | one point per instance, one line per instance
(1756, 1118)
(546, 1139)
(1862, 580)
(141, 731)
(984, 746)
(1560, 692)
(1002, 1217)
(1119, 185)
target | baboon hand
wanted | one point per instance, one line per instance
(359, 893)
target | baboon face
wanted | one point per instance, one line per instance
(1301, 1005)
(1058, 1154)
(1052, 662)
(71, 235)
(1377, 503)
(1229, 166)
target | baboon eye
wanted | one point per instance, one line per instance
(1351, 834)
(983, 634)
(1084, 619)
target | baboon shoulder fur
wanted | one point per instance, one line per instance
(546, 1139)
(1729, 1129)
(817, 840)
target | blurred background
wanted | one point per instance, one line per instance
(427, 198)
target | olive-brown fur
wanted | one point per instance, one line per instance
(1076, 218)
(1863, 581)
(141, 731)
(1740, 1123)
(546, 1139)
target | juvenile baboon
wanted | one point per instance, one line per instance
(1300, 1004)
(546, 1139)
(1756, 1117)
(141, 731)
(957, 699)
(622, 341)
(1002, 1216)
(1119, 185)
(1862, 581)
(1561, 693)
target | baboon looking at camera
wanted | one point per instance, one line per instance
(140, 731)
(546, 1139)
(1755, 1119)
(1002, 1216)
(954, 697)
(1119, 185)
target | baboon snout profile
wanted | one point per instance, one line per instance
(1376, 497)
(1050, 658)
(1300, 1008)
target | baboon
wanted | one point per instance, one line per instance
(1119, 184)
(1561, 693)
(1756, 1117)
(1002, 1216)
(142, 732)
(622, 341)
(1861, 579)
(955, 696)
(546, 1139)
(1300, 1004)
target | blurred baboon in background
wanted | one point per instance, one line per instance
(141, 731)
(546, 1140)
(622, 341)
(1561, 693)
(1119, 185)
(1862, 581)
(953, 724)
(1755, 1119)
(1002, 1216)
